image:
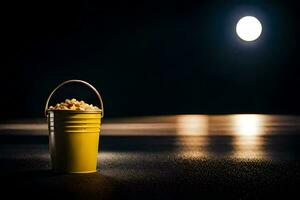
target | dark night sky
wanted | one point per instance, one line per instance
(150, 57)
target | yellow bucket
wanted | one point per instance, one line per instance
(74, 136)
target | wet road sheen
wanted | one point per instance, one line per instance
(235, 156)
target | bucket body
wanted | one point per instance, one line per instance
(74, 140)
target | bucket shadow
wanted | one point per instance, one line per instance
(45, 184)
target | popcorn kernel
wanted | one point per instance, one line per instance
(73, 104)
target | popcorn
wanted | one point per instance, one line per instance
(73, 104)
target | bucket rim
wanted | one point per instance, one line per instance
(77, 111)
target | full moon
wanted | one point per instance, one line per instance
(248, 28)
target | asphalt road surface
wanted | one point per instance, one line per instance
(169, 157)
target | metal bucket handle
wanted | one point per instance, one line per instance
(76, 81)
